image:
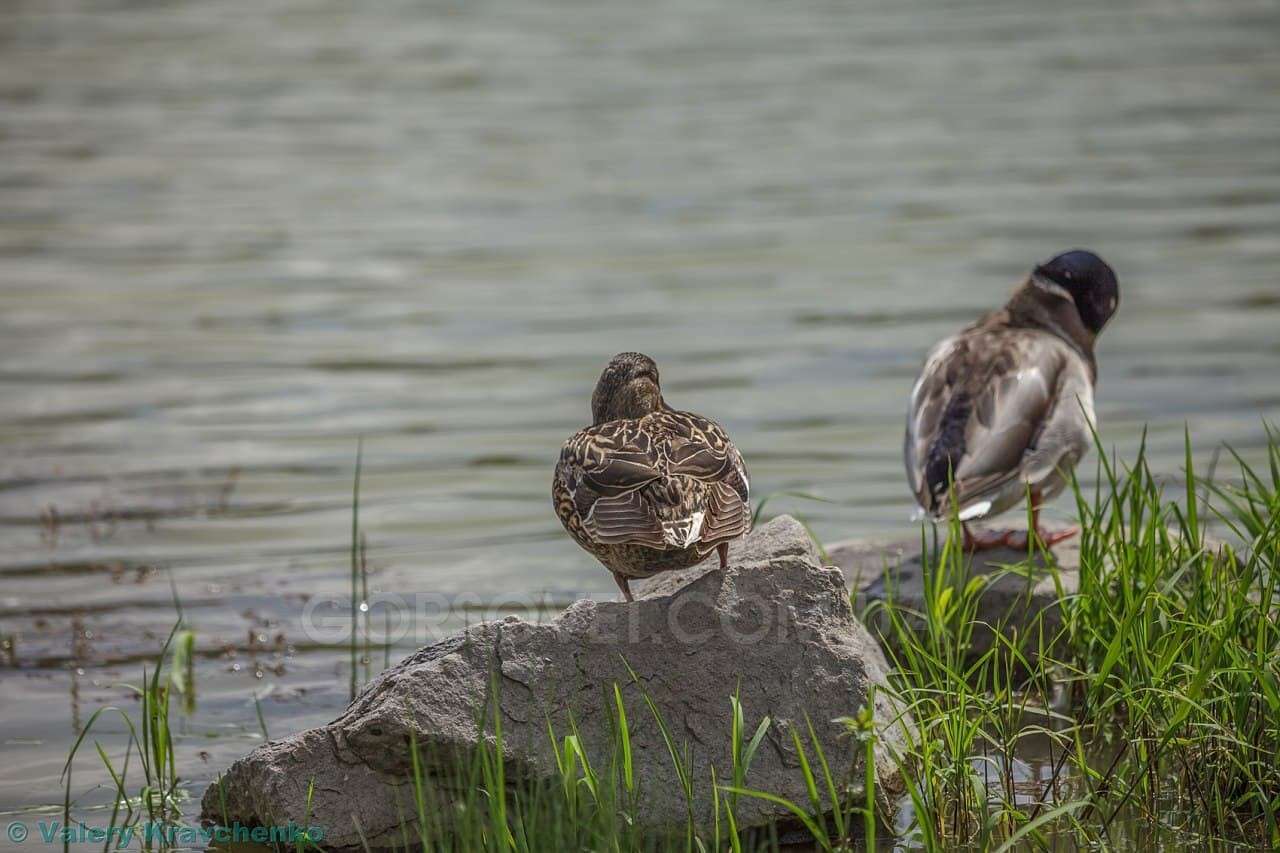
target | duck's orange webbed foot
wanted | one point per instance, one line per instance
(985, 540)
(1017, 539)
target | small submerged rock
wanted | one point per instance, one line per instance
(776, 627)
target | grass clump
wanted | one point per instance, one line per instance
(1154, 692)
(155, 806)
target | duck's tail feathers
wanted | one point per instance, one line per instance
(975, 510)
(683, 532)
(969, 513)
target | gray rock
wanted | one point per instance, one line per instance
(775, 626)
(892, 572)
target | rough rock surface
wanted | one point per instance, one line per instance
(892, 571)
(775, 626)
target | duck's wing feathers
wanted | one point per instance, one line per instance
(603, 471)
(700, 453)
(1067, 431)
(671, 479)
(992, 409)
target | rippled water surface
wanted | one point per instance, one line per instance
(235, 236)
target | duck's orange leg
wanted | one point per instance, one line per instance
(1017, 539)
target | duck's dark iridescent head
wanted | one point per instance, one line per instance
(628, 388)
(1089, 281)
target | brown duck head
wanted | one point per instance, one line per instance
(628, 388)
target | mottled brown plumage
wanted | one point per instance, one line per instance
(646, 488)
(1006, 406)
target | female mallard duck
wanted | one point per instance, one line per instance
(646, 488)
(1004, 409)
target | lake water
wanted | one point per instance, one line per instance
(236, 236)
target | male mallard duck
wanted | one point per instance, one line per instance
(646, 488)
(1005, 408)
